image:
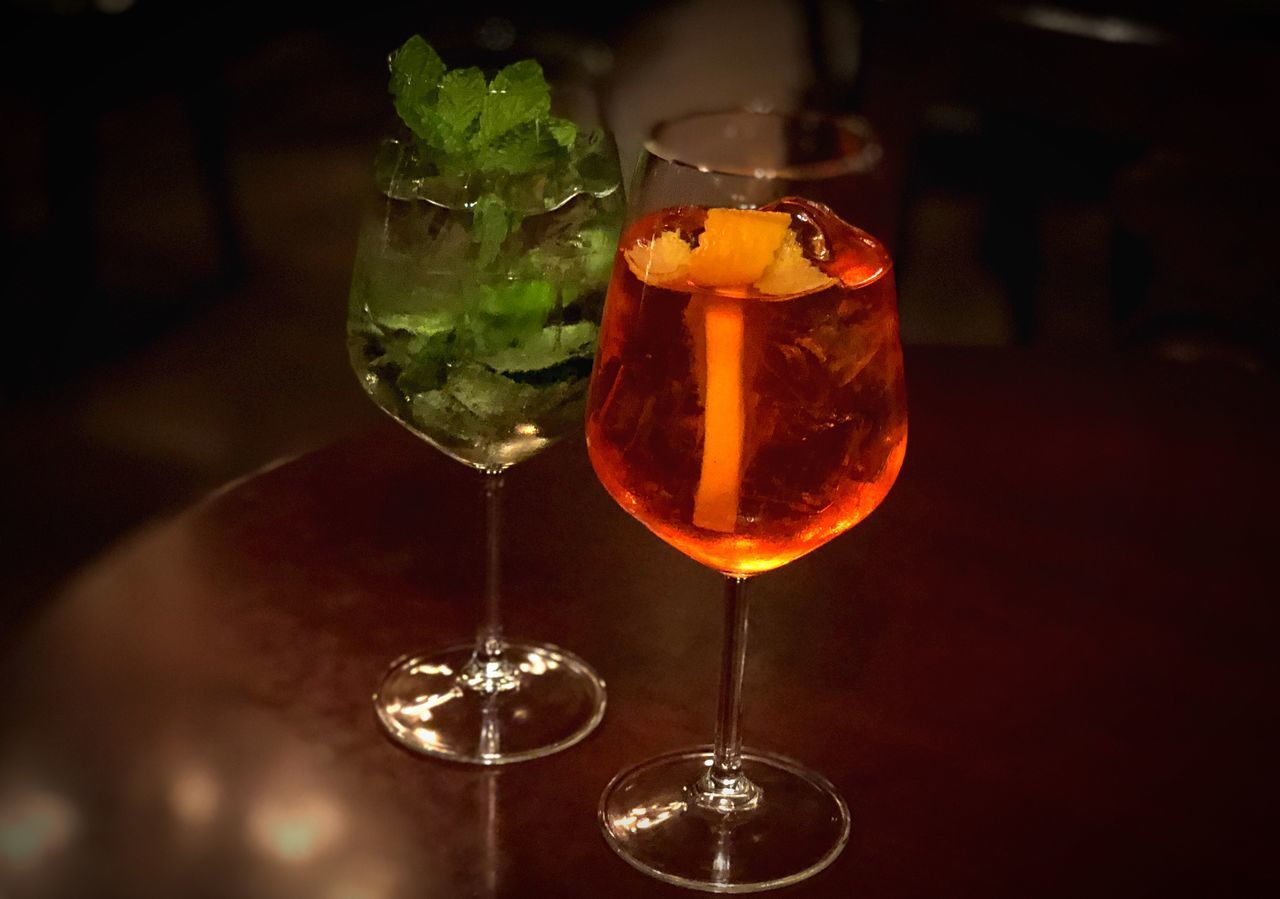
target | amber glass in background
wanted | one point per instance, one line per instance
(745, 430)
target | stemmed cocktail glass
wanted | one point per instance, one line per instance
(747, 405)
(475, 304)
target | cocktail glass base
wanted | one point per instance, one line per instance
(797, 828)
(551, 700)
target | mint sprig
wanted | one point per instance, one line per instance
(468, 125)
(491, 144)
(518, 96)
(416, 70)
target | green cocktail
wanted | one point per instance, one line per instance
(475, 304)
(480, 279)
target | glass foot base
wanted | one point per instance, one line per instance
(798, 827)
(428, 704)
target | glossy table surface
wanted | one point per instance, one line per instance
(1046, 666)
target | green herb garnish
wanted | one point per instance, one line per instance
(472, 125)
(477, 292)
(491, 146)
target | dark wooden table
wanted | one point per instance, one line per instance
(1045, 667)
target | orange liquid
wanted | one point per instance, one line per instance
(807, 427)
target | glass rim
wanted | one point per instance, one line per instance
(404, 140)
(861, 161)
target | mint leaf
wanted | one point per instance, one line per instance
(598, 248)
(428, 367)
(415, 346)
(510, 312)
(420, 324)
(563, 131)
(387, 351)
(490, 224)
(416, 70)
(521, 299)
(516, 154)
(546, 348)
(595, 159)
(462, 93)
(517, 94)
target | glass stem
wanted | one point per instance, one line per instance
(489, 671)
(724, 788)
(489, 637)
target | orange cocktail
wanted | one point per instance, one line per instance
(748, 401)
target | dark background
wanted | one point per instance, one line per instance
(181, 184)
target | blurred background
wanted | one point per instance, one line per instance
(181, 185)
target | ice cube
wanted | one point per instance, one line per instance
(809, 223)
(841, 250)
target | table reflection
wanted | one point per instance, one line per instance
(35, 824)
(192, 715)
(218, 773)
(274, 817)
(194, 795)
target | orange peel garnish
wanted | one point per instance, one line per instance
(736, 246)
(790, 273)
(715, 505)
(662, 261)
